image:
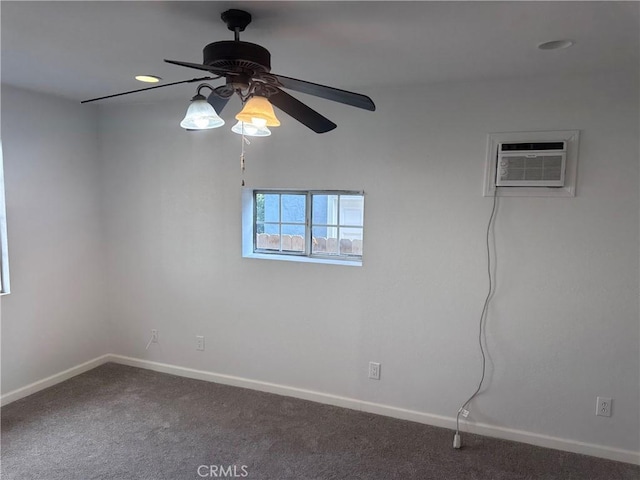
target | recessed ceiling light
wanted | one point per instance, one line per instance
(148, 78)
(555, 45)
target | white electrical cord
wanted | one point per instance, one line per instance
(457, 440)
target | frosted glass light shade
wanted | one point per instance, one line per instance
(258, 111)
(201, 115)
(251, 130)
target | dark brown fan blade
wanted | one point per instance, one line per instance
(330, 93)
(298, 110)
(198, 66)
(193, 80)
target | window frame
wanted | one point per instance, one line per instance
(250, 222)
(307, 216)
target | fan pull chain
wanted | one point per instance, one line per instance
(242, 167)
(242, 163)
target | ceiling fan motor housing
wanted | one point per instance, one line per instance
(237, 56)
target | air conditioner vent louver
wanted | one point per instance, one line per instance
(519, 167)
(524, 168)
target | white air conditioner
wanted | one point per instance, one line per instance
(531, 164)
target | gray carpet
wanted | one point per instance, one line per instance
(118, 422)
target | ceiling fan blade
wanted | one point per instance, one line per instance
(330, 93)
(198, 66)
(193, 80)
(304, 114)
(217, 102)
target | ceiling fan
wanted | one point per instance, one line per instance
(246, 68)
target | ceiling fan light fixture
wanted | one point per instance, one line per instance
(250, 129)
(258, 111)
(201, 115)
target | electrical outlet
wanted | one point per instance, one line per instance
(603, 407)
(154, 336)
(464, 412)
(374, 370)
(199, 342)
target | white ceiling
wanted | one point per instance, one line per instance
(87, 49)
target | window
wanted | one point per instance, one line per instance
(280, 222)
(304, 225)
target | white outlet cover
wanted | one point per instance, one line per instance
(374, 370)
(603, 406)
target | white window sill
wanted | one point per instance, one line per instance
(303, 259)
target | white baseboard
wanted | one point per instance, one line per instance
(556, 443)
(53, 380)
(574, 446)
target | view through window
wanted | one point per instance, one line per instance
(310, 223)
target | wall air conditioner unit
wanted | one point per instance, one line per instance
(531, 164)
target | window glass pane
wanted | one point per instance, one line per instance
(293, 238)
(319, 240)
(265, 241)
(325, 240)
(271, 207)
(350, 241)
(351, 210)
(293, 208)
(332, 245)
(325, 209)
(259, 207)
(292, 229)
(271, 228)
(273, 242)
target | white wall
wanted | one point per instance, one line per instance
(563, 326)
(54, 318)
